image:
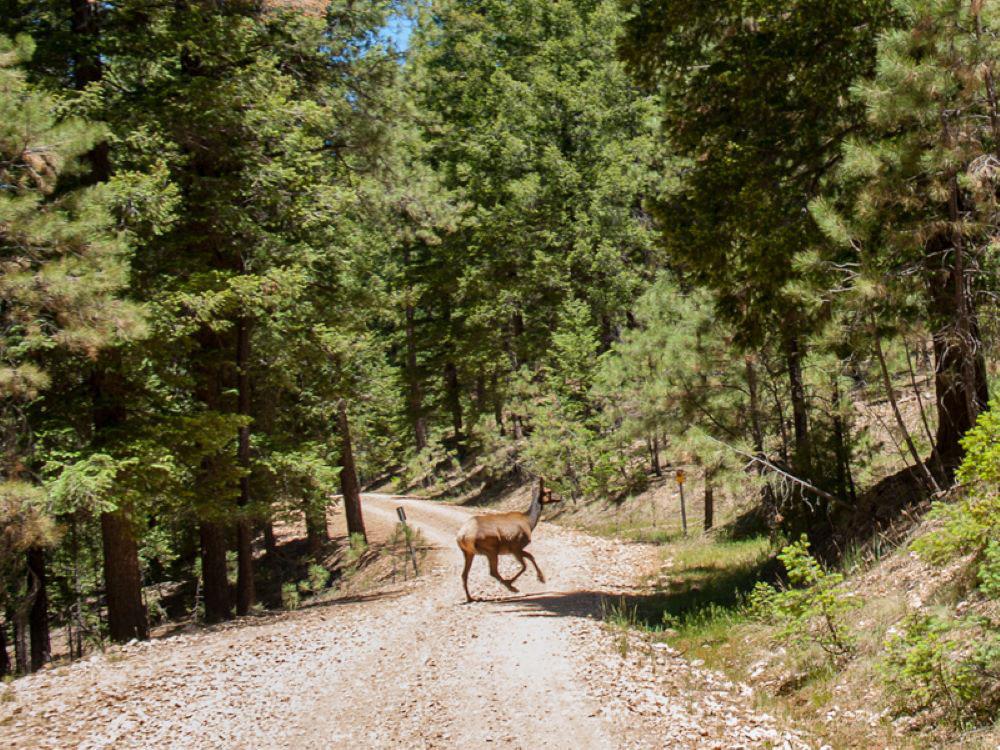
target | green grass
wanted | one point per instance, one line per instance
(636, 531)
(705, 583)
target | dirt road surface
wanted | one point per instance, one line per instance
(411, 666)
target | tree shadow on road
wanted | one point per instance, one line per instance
(561, 604)
(690, 593)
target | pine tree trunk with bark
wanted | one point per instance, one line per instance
(709, 503)
(841, 438)
(122, 578)
(349, 476)
(5, 665)
(955, 362)
(215, 578)
(960, 371)
(270, 543)
(245, 589)
(800, 410)
(22, 610)
(38, 616)
(497, 404)
(453, 396)
(122, 575)
(414, 394)
(22, 660)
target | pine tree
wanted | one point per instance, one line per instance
(62, 268)
(922, 194)
(534, 127)
(258, 278)
(755, 106)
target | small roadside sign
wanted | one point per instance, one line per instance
(680, 476)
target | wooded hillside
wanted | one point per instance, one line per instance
(255, 256)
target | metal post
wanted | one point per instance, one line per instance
(406, 535)
(680, 483)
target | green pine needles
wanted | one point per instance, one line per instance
(813, 608)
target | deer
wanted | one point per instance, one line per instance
(502, 534)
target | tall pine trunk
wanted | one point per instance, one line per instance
(245, 592)
(800, 411)
(38, 617)
(122, 578)
(756, 428)
(841, 437)
(956, 361)
(5, 665)
(212, 360)
(214, 573)
(453, 396)
(654, 453)
(349, 476)
(270, 542)
(414, 394)
(960, 372)
(122, 574)
(22, 661)
(22, 610)
(497, 403)
(709, 503)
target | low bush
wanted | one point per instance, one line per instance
(812, 609)
(945, 665)
(290, 597)
(940, 660)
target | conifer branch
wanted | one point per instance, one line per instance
(777, 470)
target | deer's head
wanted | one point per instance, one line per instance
(545, 494)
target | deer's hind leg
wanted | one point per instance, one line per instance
(495, 570)
(519, 556)
(469, 557)
(541, 577)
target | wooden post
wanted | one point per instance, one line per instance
(709, 505)
(406, 535)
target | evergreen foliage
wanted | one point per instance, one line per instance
(252, 257)
(63, 265)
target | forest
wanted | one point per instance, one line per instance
(259, 255)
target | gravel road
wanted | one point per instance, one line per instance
(410, 666)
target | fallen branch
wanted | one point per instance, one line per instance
(777, 470)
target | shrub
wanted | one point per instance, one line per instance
(813, 608)
(972, 525)
(290, 598)
(952, 664)
(357, 546)
(316, 581)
